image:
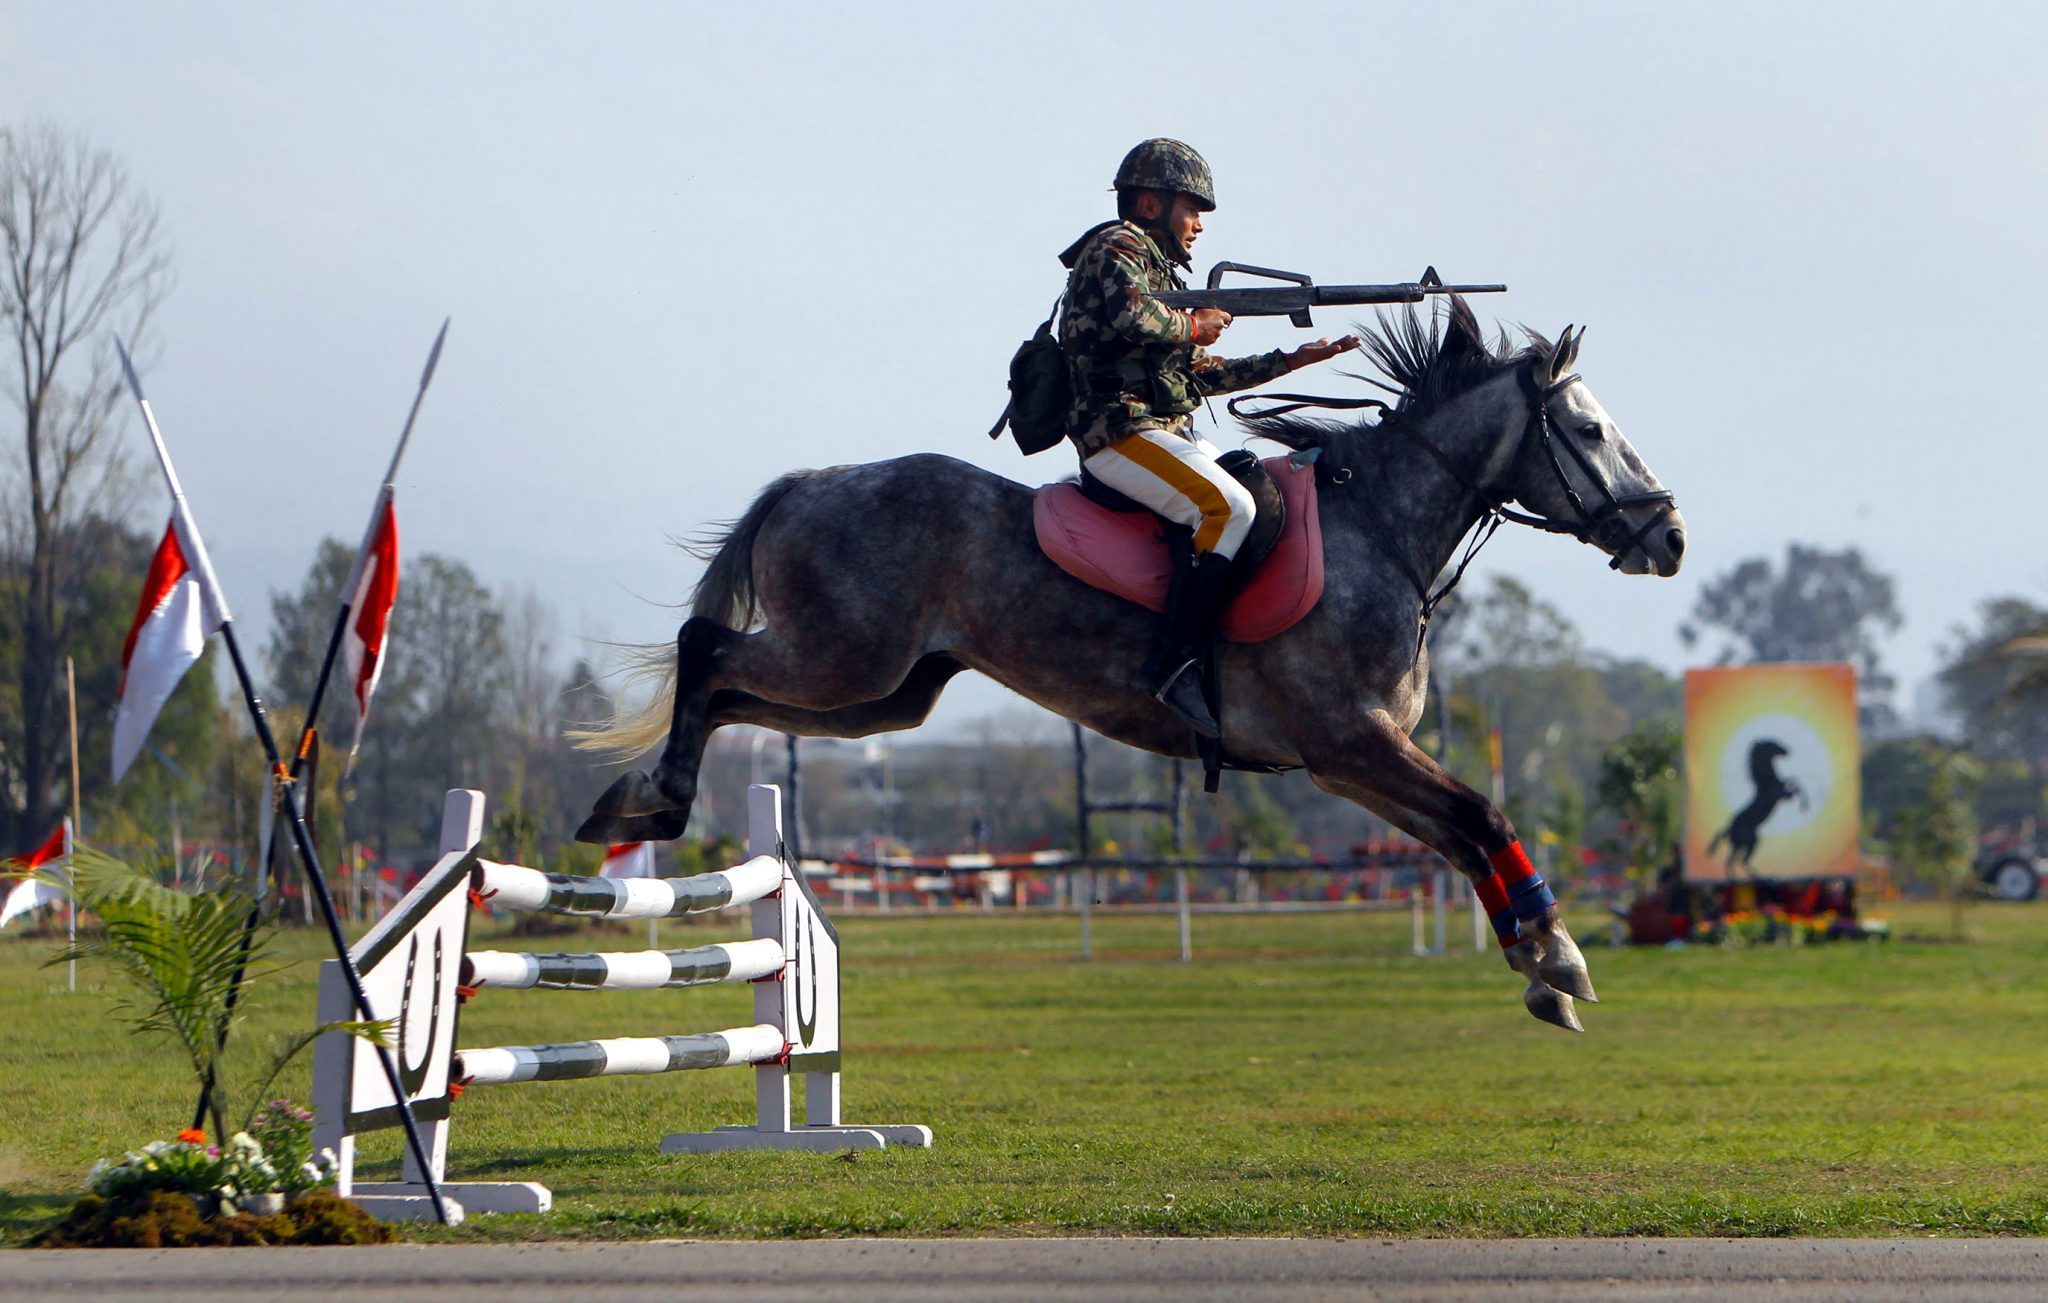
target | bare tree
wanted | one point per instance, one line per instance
(84, 256)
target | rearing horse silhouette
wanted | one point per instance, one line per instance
(844, 599)
(1772, 790)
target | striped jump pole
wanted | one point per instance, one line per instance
(621, 1056)
(508, 886)
(635, 970)
(792, 962)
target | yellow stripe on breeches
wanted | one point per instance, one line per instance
(1177, 476)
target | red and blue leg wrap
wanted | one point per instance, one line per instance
(1493, 898)
(1527, 895)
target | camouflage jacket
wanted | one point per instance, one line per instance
(1134, 362)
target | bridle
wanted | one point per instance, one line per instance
(1592, 524)
(1588, 525)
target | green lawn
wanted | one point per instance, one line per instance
(1304, 1076)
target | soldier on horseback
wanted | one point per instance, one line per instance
(811, 621)
(1139, 371)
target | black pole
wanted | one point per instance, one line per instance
(793, 831)
(1180, 808)
(1080, 794)
(256, 911)
(302, 839)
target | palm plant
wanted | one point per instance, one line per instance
(179, 953)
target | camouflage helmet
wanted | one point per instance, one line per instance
(1162, 164)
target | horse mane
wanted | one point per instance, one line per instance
(1427, 360)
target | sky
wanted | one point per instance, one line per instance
(688, 247)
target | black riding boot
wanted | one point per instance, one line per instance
(1173, 675)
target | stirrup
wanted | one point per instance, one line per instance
(1181, 693)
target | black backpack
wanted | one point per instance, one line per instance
(1041, 391)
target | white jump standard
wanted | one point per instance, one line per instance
(792, 962)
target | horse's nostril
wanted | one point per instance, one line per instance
(1675, 540)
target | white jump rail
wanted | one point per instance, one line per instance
(417, 970)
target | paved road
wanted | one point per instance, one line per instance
(1180, 1270)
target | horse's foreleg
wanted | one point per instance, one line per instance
(1386, 772)
(1545, 1001)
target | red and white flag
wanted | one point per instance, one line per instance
(35, 893)
(172, 623)
(629, 860)
(369, 620)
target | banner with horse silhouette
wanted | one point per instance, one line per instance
(1772, 772)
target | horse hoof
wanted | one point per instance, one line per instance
(1563, 967)
(1552, 1006)
(597, 830)
(611, 830)
(661, 826)
(1574, 982)
(631, 793)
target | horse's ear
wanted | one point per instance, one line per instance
(1566, 352)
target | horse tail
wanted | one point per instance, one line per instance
(725, 595)
(629, 732)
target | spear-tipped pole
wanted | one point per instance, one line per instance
(306, 732)
(202, 565)
(355, 573)
(71, 832)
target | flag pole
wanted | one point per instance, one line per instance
(302, 839)
(71, 833)
(355, 574)
(334, 637)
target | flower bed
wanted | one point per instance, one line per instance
(168, 1219)
(260, 1188)
(1771, 925)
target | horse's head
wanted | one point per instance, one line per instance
(1578, 475)
(1500, 424)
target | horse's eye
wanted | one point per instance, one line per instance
(1592, 432)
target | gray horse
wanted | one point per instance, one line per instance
(844, 599)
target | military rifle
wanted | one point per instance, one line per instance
(1303, 293)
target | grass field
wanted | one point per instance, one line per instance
(1304, 1077)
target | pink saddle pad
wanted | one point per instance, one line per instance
(1124, 552)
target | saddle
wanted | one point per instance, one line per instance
(1109, 542)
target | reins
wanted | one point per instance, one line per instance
(1493, 501)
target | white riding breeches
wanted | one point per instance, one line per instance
(1177, 476)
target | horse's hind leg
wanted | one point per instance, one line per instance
(723, 677)
(906, 707)
(640, 806)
